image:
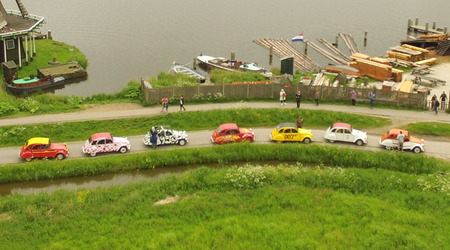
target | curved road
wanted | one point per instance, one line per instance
(434, 146)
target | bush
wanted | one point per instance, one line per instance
(7, 109)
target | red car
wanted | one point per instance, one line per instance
(230, 132)
(40, 147)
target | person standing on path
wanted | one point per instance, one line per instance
(282, 97)
(154, 137)
(298, 98)
(372, 96)
(182, 103)
(436, 106)
(316, 97)
(353, 95)
(165, 104)
(443, 98)
(401, 139)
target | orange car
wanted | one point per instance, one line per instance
(389, 141)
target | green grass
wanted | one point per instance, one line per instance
(429, 128)
(287, 206)
(190, 121)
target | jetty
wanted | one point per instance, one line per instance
(349, 42)
(284, 48)
(327, 54)
(425, 29)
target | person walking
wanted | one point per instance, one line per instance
(353, 95)
(282, 97)
(298, 98)
(443, 98)
(400, 139)
(182, 103)
(154, 137)
(316, 97)
(372, 96)
(436, 106)
(433, 100)
(299, 122)
(165, 104)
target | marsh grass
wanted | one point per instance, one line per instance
(190, 121)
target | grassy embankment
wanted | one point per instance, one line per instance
(190, 121)
(344, 199)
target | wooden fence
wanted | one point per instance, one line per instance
(249, 91)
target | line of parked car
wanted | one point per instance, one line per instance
(40, 147)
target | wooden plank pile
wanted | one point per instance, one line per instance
(378, 69)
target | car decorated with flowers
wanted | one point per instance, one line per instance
(167, 136)
(104, 142)
(230, 132)
(344, 132)
(289, 132)
(41, 147)
(389, 141)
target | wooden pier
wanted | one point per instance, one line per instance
(349, 42)
(333, 57)
(284, 48)
(425, 29)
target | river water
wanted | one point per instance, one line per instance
(126, 40)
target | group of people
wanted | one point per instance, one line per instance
(298, 97)
(165, 104)
(435, 104)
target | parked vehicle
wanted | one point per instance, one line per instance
(41, 147)
(389, 141)
(288, 132)
(104, 142)
(344, 132)
(167, 136)
(230, 132)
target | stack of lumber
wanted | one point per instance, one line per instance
(375, 70)
(381, 60)
(398, 55)
(425, 62)
(406, 87)
(424, 52)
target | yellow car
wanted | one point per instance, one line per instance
(288, 132)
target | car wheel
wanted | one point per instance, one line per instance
(123, 150)
(330, 141)
(93, 154)
(389, 147)
(59, 156)
(27, 159)
(306, 140)
(417, 150)
(182, 142)
(359, 142)
(248, 139)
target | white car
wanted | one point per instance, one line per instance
(389, 141)
(345, 133)
(167, 136)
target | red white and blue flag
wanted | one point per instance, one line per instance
(298, 38)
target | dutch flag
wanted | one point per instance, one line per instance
(298, 38)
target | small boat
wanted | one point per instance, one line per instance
(183, 69)
(48, 77)
(211, 62)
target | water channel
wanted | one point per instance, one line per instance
(125, 40)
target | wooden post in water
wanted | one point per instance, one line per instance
(434, 25)
(365, 38)
(194, 63)
(270, 55)
(49, 35)
(408, 29)
(336, 42)
(426, 28)
(233, 56)
(306, 47)
(417, 21)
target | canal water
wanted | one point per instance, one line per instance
(90, 182)
(126, 40)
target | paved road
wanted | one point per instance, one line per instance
(436, 148)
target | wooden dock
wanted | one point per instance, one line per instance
(331, 47)
(425, 29)
(284, 48)
(349, 42)
(333, 57)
